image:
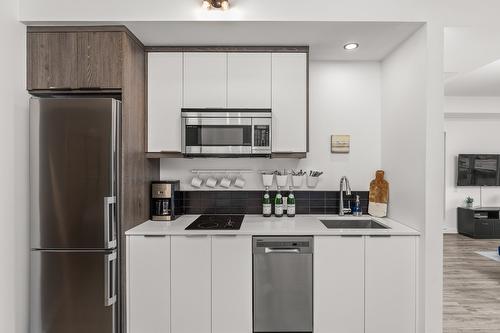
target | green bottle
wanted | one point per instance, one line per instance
(290, 202)
(266, 204)
(278, 204)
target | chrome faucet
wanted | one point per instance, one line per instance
(344, 186)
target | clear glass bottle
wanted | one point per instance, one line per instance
(266, 204)
(278, 204)
(290, 202)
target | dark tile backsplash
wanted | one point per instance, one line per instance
(250, 202)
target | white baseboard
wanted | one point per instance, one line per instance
(448, 230)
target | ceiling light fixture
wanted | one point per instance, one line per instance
(351, 46)
(219, 4)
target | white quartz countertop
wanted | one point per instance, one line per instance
(259, 225)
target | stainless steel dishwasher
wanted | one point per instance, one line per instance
(283, 284)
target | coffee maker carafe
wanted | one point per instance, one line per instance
(163, 200)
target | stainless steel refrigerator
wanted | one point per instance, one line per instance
(74, 215)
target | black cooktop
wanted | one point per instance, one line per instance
(216, 222)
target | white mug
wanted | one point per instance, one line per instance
(225, 182)
(196, 182)
(239, 182)
(211, 182)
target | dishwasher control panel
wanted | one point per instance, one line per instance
(265, 244)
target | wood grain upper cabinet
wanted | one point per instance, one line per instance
(52, 61)
(205, 77)
(289, 102)
(164, 101)
(75, 60)
(390, 290)
(249, 80)
(100, 59)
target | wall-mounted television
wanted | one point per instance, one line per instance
(478, 170)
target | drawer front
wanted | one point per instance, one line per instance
(496, 227)
(483, 227)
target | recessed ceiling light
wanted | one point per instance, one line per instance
(351, 46)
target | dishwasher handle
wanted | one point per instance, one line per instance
(281, 250)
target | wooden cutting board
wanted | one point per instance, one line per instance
(379, 195)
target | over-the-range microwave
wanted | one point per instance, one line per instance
(226, 132)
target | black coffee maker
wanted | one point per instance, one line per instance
(163, 200)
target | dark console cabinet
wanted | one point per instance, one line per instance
(479, 222)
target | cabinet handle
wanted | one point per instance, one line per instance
(155, 236)
(89, 88)
(59, 88)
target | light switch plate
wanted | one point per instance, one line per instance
(340, 144)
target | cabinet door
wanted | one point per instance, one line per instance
(148, 284)
(205, 77)
(289, 102)
(339, 284)
(52, 61)
(249, 80)
(390, 290)
(164, 101)
(100, 60)
(191, 284)
(232, 284)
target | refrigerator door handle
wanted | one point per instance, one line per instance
(109, 223)
(110, 279)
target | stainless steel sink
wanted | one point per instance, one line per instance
(353, 224)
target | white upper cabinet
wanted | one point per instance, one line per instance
(148, 284)
(390, 291)
(339, 284)
(205, 77)
(249, 80)
(191, 284)
(232, 284)
(164, 101)
(289, 102)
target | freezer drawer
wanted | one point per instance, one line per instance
(73, 292)
(73, 157)
(282, 283)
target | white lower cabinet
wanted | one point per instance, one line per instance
(232, 284)
(390, 291)
(191, 284)
(148, 284)
(203, 284)
(338, 284)
(365, 284)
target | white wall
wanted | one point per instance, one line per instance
(471, 105)
(412, 157)
(344, 99)
(462, 45)
(404, 131)
(473, 132)
(13, 174)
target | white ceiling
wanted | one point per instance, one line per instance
(484, 81)
(326, 39)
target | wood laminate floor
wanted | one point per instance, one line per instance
(471, 286)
